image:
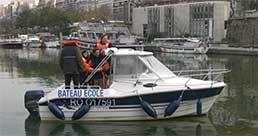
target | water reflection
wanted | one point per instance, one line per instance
(237, 106)
(177, 127)
(183, 61)
(32, 63)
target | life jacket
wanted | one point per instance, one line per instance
(69, 42)
(102, 46)
(86, 67)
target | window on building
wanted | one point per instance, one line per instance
(206, 9)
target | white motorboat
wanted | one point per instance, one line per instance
(182, 45)
(119, 35)
(10, 41)
(141, 88)
(32, 41)
(50, 41)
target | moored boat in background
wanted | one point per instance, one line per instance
(32, 41)
(10, 41)
(119, 35)
(182, 45)
(50, 41)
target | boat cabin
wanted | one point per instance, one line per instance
(128, 65)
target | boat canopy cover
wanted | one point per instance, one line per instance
(156, 66)
(133, 64)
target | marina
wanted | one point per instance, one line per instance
(128, 68)
(231, 111)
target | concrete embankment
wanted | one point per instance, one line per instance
(152, 48)
(217, 49)
(233, 51)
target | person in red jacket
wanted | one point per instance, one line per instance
(87, 69)
(103, 42)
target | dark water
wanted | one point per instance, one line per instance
(235, 113)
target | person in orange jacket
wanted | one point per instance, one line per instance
(86, 67)
(100, 78)
(103, 42)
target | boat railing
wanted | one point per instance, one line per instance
(86, 86)
(203, 74)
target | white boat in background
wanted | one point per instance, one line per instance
(32, 41)
(50, 41)
(141, 88)
(182, 45)
(10, 41)
(119, 35)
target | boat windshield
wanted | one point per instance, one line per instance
(129, 67)
(156, 66)
(139, 67)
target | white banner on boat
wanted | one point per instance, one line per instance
(78, 93)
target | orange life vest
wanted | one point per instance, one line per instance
(75, 42)
(102, 46)
(86, 67)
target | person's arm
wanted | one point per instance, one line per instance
(86, 67)
(106, 66)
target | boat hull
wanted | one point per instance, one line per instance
(199, 50)
(124, 109)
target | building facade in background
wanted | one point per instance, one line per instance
(13, 8)
(60, 4)
(43, 3)
(71, 5)
(198, 19)
(2, 10)
(122, 9)
(83, 5)
(86, 5)
(168, 2)
(245, 8)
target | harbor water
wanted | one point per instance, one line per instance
(235, 113)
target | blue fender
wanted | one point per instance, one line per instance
(171, 108)
(80, 112)
(149, 109)
(199, 107)
(56, 110)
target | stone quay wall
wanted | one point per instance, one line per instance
(243, 32)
